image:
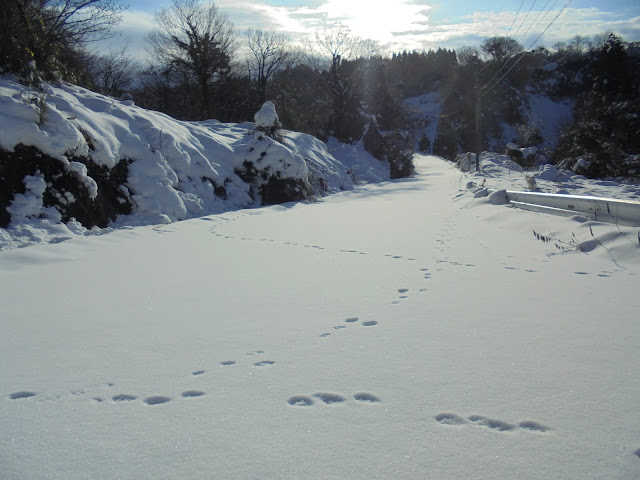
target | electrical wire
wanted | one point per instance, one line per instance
(525, 17)
(486, 89)
(514, 18)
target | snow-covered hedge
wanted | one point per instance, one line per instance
(68, 153)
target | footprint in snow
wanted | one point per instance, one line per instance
(366, 397)
(228, 363)
(491, 423)
(157, 400)
(352, 320)
(264, 363)
(450, 419)
(637, 453)
(369, 323)
(19, 395)
(300, 401)
(330, 399)
(192, 394)
(198, 372)
(533, 426)
(123, 397)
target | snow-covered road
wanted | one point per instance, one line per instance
(397, 331)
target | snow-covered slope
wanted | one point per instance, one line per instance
(172, 170)
(400, 330)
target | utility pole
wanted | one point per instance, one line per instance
(478, 119)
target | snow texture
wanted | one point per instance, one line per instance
(396, 330)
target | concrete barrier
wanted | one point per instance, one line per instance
(611, 210)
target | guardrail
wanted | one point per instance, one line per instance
(611, 210)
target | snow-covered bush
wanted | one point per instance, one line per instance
(392, 147)
(525, 157)
(98, 160)
(267, 121)
(77, 189)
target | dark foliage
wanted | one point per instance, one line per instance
(111, 201)
(604, 131)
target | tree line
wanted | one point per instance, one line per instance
(337, 84)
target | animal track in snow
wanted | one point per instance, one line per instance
(264, 363)
(533, 426)
(192, 394)
(228, 363)
(157, 400)
(18, 395)
(123, 397)
(450, 419)
(637, 453)
(493, 424)
(352, 320)
(330, 399)
(300, 401)
(366, 397)
(369, 323)
(198, 372)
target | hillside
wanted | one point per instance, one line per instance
(72, 160)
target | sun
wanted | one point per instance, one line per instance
(377, 19)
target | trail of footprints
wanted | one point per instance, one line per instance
(330, 399)
(452, 419)
(148, 400)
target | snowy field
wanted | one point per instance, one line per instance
(397, 331)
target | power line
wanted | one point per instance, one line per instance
(504, 65)
(525, 17)
(486, 89)
(535, 21)
(514, 18)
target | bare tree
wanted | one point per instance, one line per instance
(197, 40)
(467, 55)
(500, 49)
(45, 31)
(268, 53)
(113, 73)
(580, 43)
(341, 54)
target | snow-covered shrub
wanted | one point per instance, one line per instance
(78, 188)
(392, 147)
(525, 157)
(267, 122)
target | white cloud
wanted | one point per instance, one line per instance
(131, 35)
(396, 25)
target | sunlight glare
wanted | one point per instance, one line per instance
(377, 19)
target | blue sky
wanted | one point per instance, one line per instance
(411, 24)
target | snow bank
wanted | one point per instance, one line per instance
(500, 172)
(173, 170)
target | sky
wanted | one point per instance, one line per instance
(410, 24)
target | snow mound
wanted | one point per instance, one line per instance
(500, 172)
(266, 117)
(72, 151)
